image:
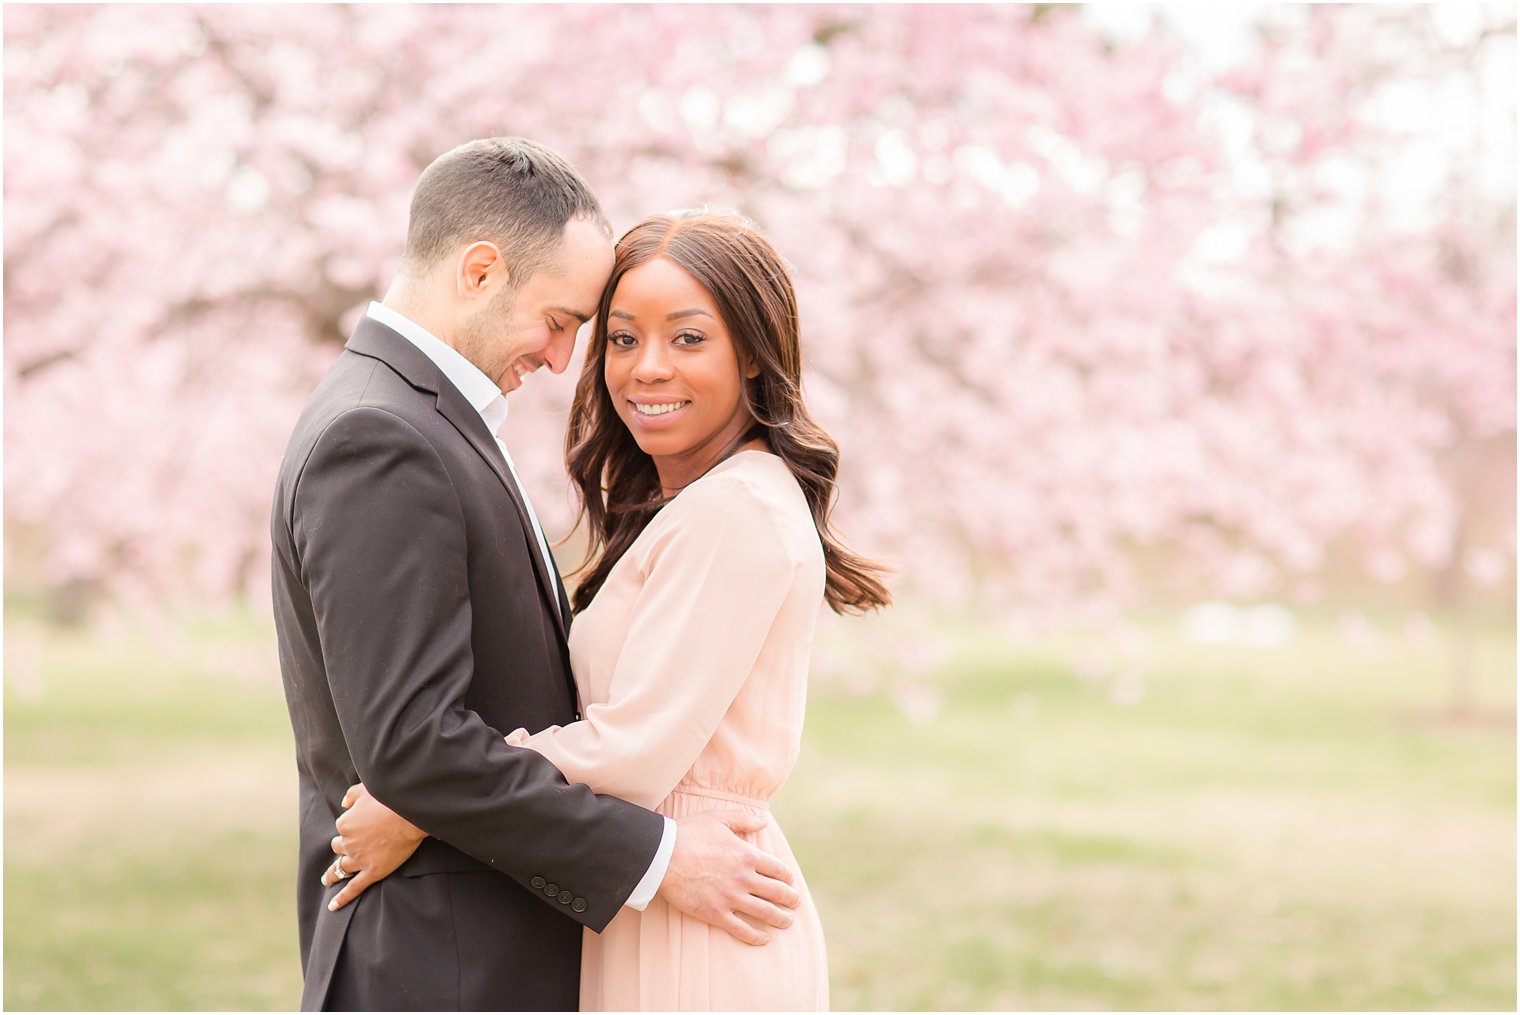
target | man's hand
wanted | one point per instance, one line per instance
(720, 879)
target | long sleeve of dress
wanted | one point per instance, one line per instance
(713, 586)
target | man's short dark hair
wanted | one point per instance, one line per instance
(506, 190)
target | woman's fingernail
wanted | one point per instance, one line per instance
(332, 907)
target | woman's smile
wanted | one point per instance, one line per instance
(654, 413)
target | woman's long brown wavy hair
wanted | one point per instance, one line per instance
(617, 483)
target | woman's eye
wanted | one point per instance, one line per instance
(689, 338)
(621, 339)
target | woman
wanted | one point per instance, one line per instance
(707, 489)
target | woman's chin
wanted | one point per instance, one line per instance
(647, 442)
(653, 445)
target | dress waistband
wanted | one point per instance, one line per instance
(692, 789)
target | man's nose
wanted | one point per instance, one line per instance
(559, 350)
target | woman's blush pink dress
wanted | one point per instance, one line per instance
(692, 665)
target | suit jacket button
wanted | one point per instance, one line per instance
(579, 905)
(551, 889)
(537, 882)
(565, 897)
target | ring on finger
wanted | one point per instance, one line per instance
(339, 871)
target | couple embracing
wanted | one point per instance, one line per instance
(500, 809)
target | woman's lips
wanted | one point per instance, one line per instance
(657, 413)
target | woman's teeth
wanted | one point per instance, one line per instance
(657, 410)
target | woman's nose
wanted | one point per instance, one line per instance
(653, 363)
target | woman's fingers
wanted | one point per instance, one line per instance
(353, 794)
(337, 845)
(338, 870)
(352, 889)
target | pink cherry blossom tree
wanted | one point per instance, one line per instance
(1096, 311)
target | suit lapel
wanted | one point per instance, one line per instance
(467, 421)
(374, 339)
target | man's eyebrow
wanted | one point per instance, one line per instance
(583, 318)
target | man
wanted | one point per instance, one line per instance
(419, 615)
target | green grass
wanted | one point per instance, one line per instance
(149, 822)
(1285, 828)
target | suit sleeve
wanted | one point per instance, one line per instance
(714, 586)
(380, 537)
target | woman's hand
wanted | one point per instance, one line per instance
(372, 841)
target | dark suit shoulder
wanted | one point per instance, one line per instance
(362, 412)
(356, 380)
(374, 439)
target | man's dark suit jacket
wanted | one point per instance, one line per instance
(417, 622)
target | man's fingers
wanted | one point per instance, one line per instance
(742, 822)
(770, 867)
(764, 912)
(743, 931)
(776, 893)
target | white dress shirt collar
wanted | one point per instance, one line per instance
(478, 389)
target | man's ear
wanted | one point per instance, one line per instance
(481, 272)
